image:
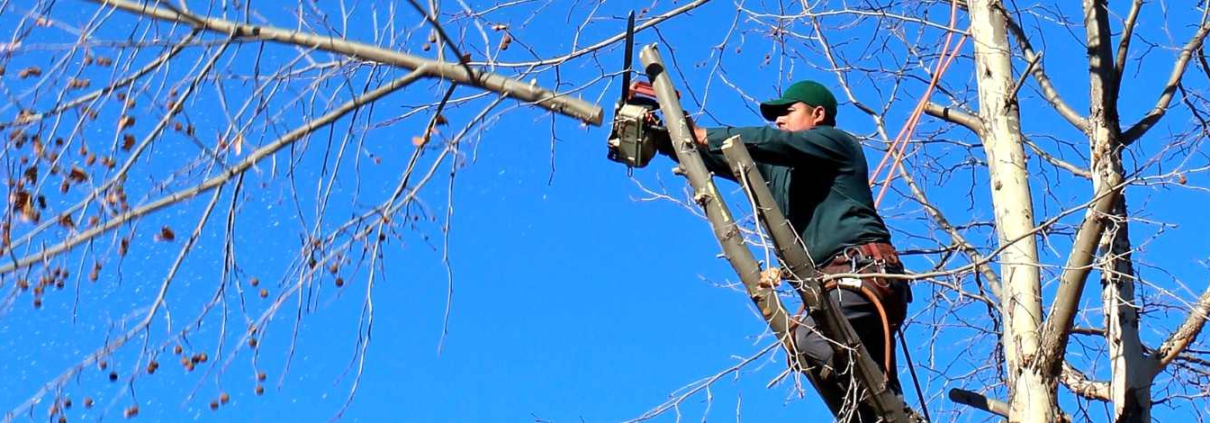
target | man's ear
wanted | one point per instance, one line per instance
(819, 115)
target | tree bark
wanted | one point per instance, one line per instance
(1132, 370)
(1032, 395)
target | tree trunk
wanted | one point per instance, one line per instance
(1032, 395)
(1132, 371)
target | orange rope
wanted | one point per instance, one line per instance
(911, 125)
(898, 146)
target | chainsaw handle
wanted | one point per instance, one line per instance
(643, 89)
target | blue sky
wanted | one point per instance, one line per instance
(577, 297)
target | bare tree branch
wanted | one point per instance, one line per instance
(1178, 71)
(1039, 71)
(1124, 43)
(1080, 384)
(456, 72)
(1186, 333)
(956, 116)
(219, 180)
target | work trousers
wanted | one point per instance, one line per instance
(832, 375)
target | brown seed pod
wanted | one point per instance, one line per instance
(224, 398)
(254, 282)
(113, 376)
(66, 403)
(123, 246)
(127, 142)
(32, 71)
(103, 364)
(125, 121)
(340, 282)
(214, 404)
(252, 343)
(260, 390)
(77, 175)
(87, 402)
(37, 302)
(77, 83)
(264, 293)
(103, 61)
(260, 376)
(505, 41)
(62, 419)
(67, 222)
(178, 349)
(152, 366)
(166, 235)
(202, 357)
(132, 411)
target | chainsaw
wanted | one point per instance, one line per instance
(636, 126)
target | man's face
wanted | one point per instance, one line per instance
(800, 117)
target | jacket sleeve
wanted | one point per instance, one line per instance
(820, 146)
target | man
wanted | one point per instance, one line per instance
(818, 175)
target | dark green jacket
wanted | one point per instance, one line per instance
(819, 179)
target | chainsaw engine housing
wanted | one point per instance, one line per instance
(632, 141)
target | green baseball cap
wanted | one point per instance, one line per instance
(810, 92)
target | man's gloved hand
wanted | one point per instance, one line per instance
(659, 136)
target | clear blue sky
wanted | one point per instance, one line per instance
(575, 299)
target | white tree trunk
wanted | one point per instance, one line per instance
(1032, 396)
(1132, 371)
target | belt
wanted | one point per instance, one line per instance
(878, 252)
